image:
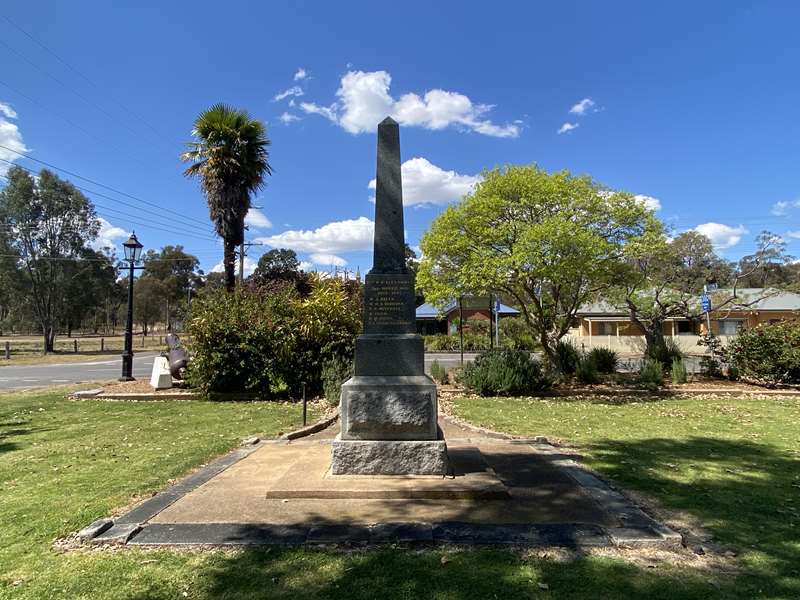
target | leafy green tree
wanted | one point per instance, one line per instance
(230, 157)
(769, 265)
(552, 242)
(148, 302)
(278, 263)
(91, 281)
(178, 274)
(52, 224)
(663, 279)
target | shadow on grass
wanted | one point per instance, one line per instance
(745, 493)
(13, 429)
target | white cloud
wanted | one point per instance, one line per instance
(782, 207)
(257, 219)
(793, 234)
(334, 238)
(364, 101)
(567, 127)
(425, 183)
(300, 74)
(292, 91)
(649, 202)
(7, 110)
(722, 236)
(581, 107)
(287, 118)
(328, 259)
(306, 265)
(10, 137)
(108, 236)
(779, 208)
(329, 112)
(249, 266)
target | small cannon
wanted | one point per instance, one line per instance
(177, 356)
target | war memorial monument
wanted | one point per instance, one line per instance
(389, 408)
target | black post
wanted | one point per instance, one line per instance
(491, 323)
(461, 327)
(127, 353)
(8, 350)
(305, 405)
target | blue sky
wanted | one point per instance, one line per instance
(693, 105)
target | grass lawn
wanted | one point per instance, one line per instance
(729, 465)
(64, 464)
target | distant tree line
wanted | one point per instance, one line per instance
(53, 278)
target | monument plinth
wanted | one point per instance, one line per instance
(389, 408)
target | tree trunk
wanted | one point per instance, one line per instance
(653, 337)
(49, 338)
(228, 261)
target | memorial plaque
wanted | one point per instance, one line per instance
(389, 304)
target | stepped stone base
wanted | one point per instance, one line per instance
(388, 457)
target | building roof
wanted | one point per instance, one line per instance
(429, 311)
(773, 300)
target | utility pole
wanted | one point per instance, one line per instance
(242, 255)
(241, 263)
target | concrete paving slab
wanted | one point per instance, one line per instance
(282, 493)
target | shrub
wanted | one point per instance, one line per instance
(587, 371)
(335, 372)
(651, 374)
(770, 353)
(516, 334)
(262, 340)
(567, 357)
(441, 342)
(237, 342)
(711, 363)
(504, 373)
(605, 359)
(665, 351)
(323, 325)
(678, 371)
(438, 372)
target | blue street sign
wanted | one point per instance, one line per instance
(705, 302)
(497, 306)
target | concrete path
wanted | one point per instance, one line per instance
(31, 376)
(507, 491)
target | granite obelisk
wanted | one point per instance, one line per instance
(388, 408)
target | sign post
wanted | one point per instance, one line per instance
(705, 302)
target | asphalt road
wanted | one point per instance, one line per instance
(30, 376)
(20, 377)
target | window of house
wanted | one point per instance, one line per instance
(606, 328)
(684, 327)
(730, 326)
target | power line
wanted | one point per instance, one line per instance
(65, 86)
(73, 124)
(172, 228)
(102, 185)
(75, 70)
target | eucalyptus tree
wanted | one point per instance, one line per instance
(50, 224)
(229, 155)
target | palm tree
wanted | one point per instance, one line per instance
(230, 156)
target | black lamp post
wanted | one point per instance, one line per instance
(133, 251)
